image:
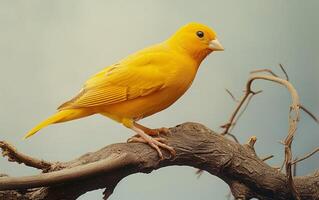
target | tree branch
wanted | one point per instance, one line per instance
(197, 146)
(15, 156)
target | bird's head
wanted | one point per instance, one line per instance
(197, 40)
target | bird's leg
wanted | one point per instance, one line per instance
(155, 143)
(148, 131)
(152, 132)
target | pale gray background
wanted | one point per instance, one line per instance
(49, 48)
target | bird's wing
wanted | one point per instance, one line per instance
(132, 78)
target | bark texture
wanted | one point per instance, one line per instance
(197, 146)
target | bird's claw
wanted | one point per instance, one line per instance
(155, 143)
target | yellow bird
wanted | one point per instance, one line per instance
(142, 84)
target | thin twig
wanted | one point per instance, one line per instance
(267, 158)
(233, 137)
(294, 168)
(305, 157)
(234, 114)
(231, 95)
(264, 70)
(250, 96)
(283, 69)
(302, 107)
(15, 156)
(199, 173)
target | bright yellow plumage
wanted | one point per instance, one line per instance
(142, 84)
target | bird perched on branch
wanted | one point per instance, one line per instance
(142, 84)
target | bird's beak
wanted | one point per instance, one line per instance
(215, 45)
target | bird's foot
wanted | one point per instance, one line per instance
(155, 143)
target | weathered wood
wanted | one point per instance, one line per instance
(197, 146)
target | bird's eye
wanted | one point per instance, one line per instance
(200, 34)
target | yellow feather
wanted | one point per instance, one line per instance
(61, 116)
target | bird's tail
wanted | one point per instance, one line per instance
(60, 116)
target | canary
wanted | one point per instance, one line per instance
(142, 84)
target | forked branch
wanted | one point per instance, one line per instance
(294, 116)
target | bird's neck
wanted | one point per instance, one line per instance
(196, 55)
(199, 56)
